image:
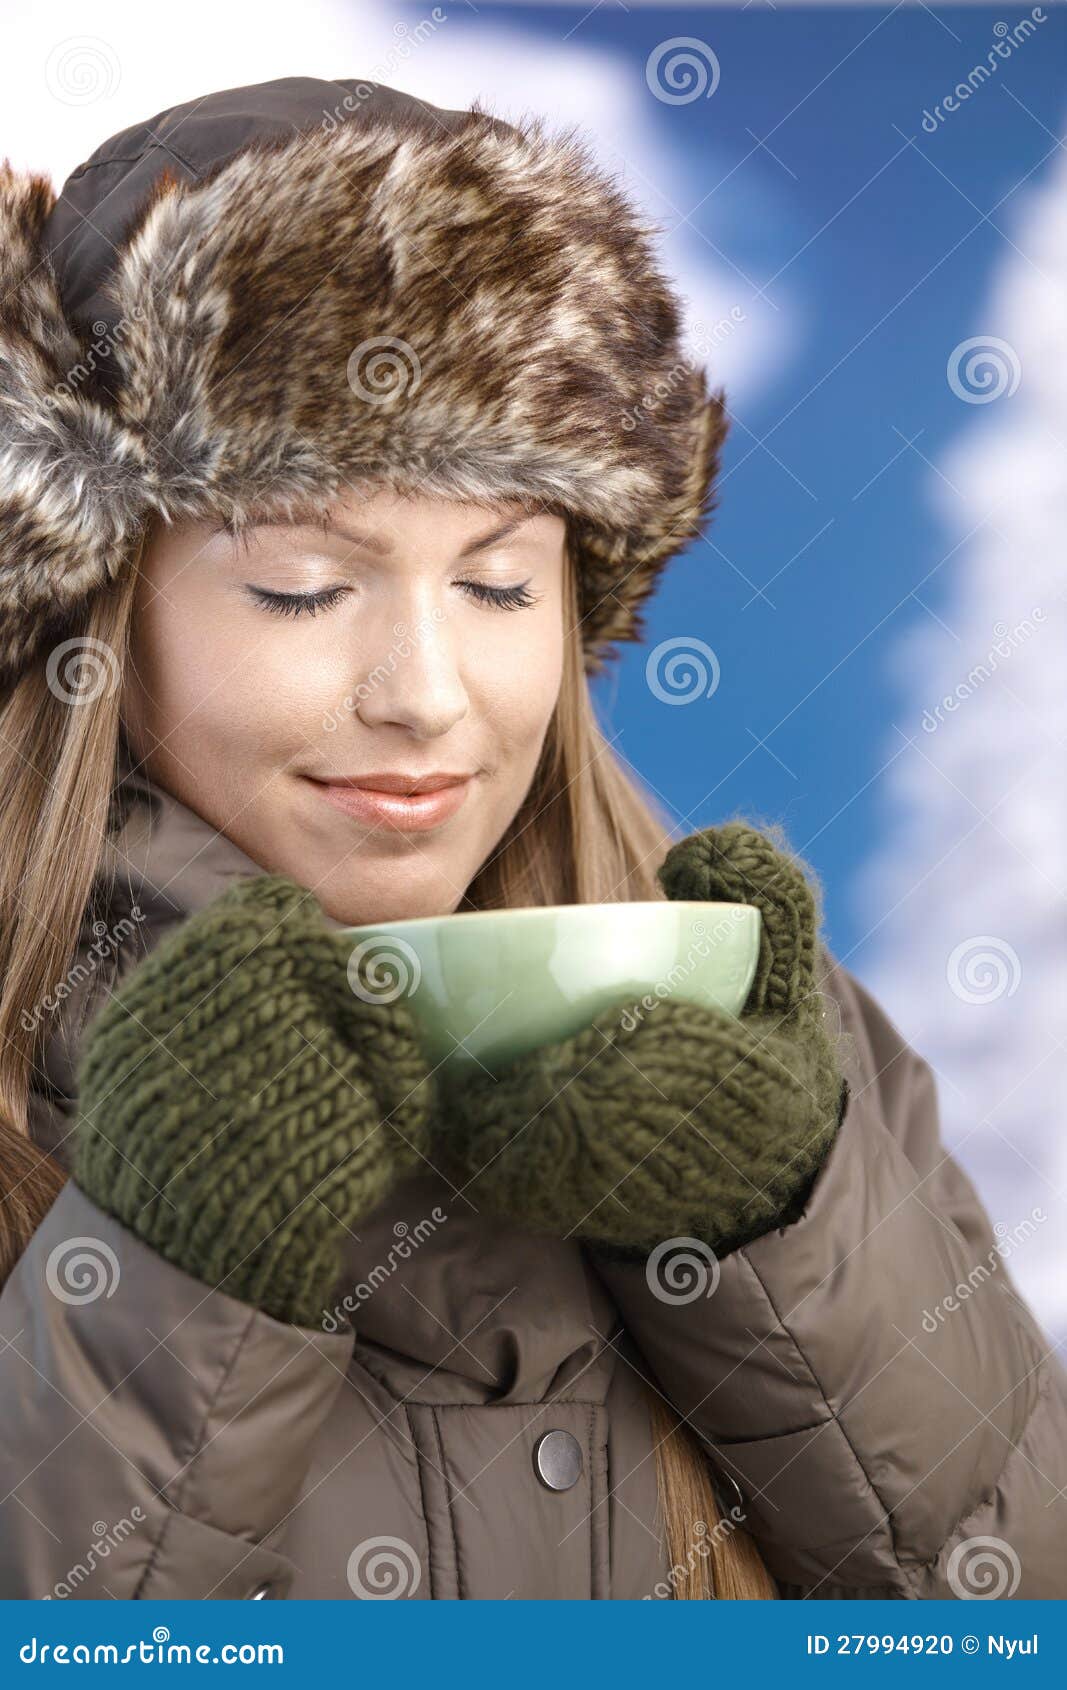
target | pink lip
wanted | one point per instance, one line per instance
(415, 814)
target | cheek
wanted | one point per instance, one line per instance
(517, 694)
(210, 668)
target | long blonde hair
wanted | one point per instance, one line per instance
(585, 833)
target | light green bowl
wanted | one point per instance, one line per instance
(487, 986)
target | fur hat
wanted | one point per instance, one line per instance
(254, 300)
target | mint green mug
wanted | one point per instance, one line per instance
(487, 986)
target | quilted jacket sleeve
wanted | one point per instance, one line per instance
(156, 1430)
(868, 1375)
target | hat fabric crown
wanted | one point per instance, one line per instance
(264, 297)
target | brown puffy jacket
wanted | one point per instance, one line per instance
(867, 1377)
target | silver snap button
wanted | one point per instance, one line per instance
(728, 1492)
(260, 1591)
(557, 1460)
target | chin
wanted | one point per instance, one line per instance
(359, 905)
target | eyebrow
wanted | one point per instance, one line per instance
(374, 543)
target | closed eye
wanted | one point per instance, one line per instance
(504, 598)
(297, 604)
(309, 604)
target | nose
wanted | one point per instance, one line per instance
(416, 683)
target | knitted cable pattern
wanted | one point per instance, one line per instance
(678, 1120)
(241, 1105)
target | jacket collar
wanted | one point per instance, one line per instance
(160, 863)
(165, 858)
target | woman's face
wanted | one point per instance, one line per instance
(412, 637)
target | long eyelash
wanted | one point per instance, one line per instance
(309, 604)
(505, 598)
(297, 604)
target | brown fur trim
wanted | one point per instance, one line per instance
(475, 314)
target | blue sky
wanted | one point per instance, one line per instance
(886, 259)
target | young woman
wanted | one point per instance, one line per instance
(340, 438)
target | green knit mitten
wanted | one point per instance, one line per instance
(650, 1124)
(243, 1103)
